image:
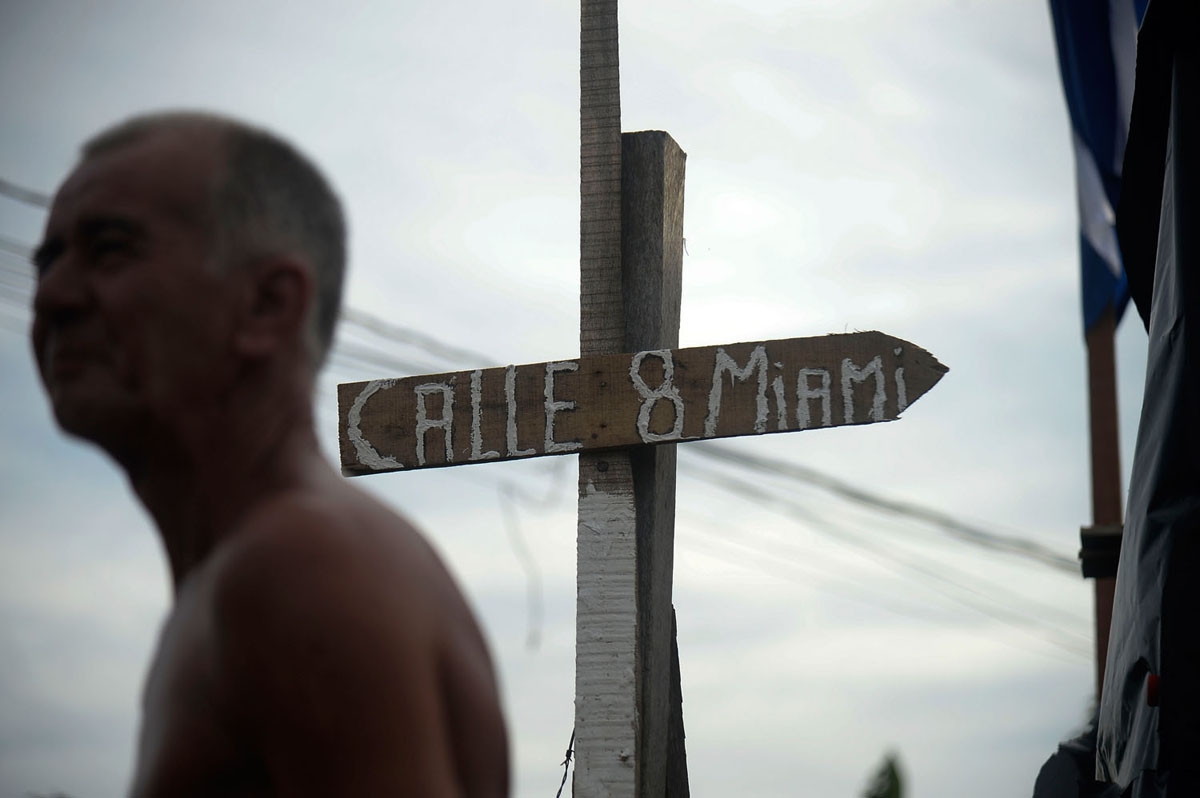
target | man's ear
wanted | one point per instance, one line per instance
(277, 300)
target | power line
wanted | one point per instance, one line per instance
(16, 283)
(415, 338)
(12, 323)
(511, 496)
(958, 591)
(379, 361)
(893, 558)
(352, 318)
(367, 355)
(886, 555)
(791, 568)
(737, 549)
(957, 528)
(960, 530)
(16, 291)
(14, 247)
(22, 194)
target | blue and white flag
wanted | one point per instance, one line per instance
(1097, 49)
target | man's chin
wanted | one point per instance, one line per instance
(114, 430)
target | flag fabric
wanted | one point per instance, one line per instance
(1097, 49)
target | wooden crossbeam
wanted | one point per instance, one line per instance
(607, 402)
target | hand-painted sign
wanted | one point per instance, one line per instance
(611, 401)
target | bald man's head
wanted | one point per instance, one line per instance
(267, 199)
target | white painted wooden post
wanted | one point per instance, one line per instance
(606, 602)
(631, 232)
(623, 675)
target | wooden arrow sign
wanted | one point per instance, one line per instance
(612, 401)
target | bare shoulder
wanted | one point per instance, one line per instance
(338, 538)
(349, 654)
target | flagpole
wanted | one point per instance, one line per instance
(1102, 541)
(1097, 45)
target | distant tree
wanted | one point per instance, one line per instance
(886, 783)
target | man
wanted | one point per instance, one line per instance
(188, 286)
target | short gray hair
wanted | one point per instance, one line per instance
(271, 199)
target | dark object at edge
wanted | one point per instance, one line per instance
(1149, 751)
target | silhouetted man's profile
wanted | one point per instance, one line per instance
(188, 285)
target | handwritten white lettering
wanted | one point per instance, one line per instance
(852, 374)
(363, 450)
(510, 398)
(724, 364)
(666, 390)
(477, 452)
(780, 402)
(445, 423)
(553, 407)
(804, 392)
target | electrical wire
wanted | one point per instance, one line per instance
(512, 496)
(959, 591)
(28, 196)
(790, 567)
(888, 556)
(956, 528)
(377, 362)
(352, 354)
(13, 323)
(396, 333)
(14, 247)
(895, 559)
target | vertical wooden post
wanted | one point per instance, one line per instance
(631, 260)
(1106, 465)
(601, 322)
(652, 176)
(606, 600)
(623, 674)
(677, 773)
(631, 256)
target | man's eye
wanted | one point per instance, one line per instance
(41, 265)
(105, 248)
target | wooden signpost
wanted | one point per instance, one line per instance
(621, 406)
(616, 401)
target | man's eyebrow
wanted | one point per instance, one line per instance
(88, 227)
(91, 226)
(46, 252)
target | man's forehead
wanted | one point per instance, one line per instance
(171, 170)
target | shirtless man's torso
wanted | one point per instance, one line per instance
(316, 644)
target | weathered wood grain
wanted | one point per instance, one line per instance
(606, 599)
(614, 401)
(652, 183)
(677, 770)
(602, 319)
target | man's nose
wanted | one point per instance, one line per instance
(61, 289)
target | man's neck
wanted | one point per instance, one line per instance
(202, 478)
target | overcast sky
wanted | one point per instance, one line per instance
(852, 165)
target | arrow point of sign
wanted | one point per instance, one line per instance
(917, 371)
